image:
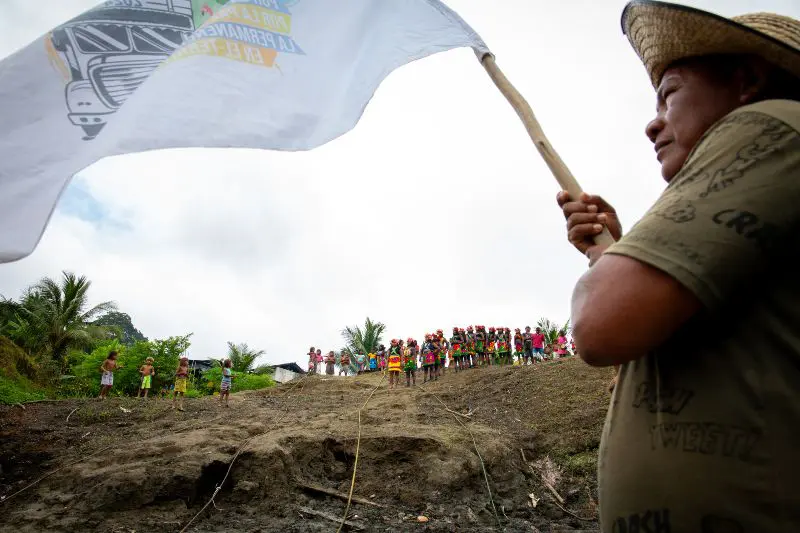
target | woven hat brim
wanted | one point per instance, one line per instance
(662, 33)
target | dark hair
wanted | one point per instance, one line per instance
(112, 353)
(779, 83)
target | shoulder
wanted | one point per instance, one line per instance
(748, 134)
(786, 111)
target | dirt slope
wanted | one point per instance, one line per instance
(162, 466)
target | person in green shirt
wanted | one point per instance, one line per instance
(699, 303)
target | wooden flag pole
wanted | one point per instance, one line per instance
(562, 174)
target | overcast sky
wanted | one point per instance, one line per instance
(435, 211)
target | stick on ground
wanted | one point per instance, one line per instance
(70, 414)
(331, 492)
(331, 517)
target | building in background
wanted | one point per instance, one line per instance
(287, 372)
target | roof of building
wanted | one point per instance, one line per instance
(294, 367)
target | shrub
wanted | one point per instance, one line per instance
(77, 387)
(14, 360)
(241, 381)
(19, 390)
(166, 354)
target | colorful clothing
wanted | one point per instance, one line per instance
(409, 360)
(428, 355)
(538, 340)
(181, 383)
(225, 385)
(562, 346)
(395, 361)
(373, 361)
(146, 382)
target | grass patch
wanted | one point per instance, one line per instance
(582, 464)
(19, 390)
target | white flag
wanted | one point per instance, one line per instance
(134, 75)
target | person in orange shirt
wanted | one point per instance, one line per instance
(395, 363)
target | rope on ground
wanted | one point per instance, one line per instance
(239, 451)
(475, 445)
(26, 487)
(358, 448)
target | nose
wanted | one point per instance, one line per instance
(654, 127)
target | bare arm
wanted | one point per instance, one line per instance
(649, 303)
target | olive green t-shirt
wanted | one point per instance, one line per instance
(703, 433)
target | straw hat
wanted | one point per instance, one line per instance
(662, 33)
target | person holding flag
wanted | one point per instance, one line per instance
(698, 303)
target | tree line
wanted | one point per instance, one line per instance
(53, 341)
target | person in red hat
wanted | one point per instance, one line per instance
(442, 347)
(428, 359)
(518, 346)
(456, 344)
(410, 362)
(394, 363)
(480, 345)
(471, 354)
(503, 350)
(491, 345)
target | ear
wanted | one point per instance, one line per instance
(753, 78)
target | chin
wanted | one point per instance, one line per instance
(669, 171)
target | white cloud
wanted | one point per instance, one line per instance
(436, 210)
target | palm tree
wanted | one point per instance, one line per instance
(365, 340)
(54, 317)
(242, 356)
(9, 309)
(551, 329)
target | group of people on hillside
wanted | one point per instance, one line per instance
(148, 372)
(466, 348)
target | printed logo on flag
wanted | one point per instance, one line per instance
(252, 31)
(105, 54)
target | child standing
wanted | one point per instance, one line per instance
(344, 364)
(361, 361)
(107, 379)
(373, 362)
(312, 361)
(225, 384)
(382, 358)
(561, 350)
(319, 361)
(330, 363)
(147, 371)
(181, 382)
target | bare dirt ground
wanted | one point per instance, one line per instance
(129, 465)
